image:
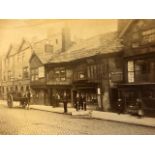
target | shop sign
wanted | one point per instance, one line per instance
(116, 76)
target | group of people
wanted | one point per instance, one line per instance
(80, 102)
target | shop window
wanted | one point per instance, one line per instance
(130, 67)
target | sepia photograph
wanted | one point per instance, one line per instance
(77, 76)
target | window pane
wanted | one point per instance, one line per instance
(130, 66)
(63, 78)
(82, 76)
(130, 77)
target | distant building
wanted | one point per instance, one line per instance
(15, 68)
(15, 64)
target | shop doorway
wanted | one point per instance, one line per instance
(91, 97)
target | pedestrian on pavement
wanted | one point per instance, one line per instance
(84, 102)
(120, 105)
(57, 100)
(65, 102)
(28, 95)
(54, 100)
(77, 101)
(139, 103)
(81, 102)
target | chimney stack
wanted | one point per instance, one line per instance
(66, 38)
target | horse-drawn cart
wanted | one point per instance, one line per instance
(13, 96)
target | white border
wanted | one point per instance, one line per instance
(71, 9)
(80, 9)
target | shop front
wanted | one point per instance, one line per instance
(129, 93)
(56, 95)
(39, 95)
(90, 90)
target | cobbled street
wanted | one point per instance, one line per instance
(32, 122)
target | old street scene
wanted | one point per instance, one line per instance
(81, 77)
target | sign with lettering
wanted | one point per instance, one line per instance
(116, 76)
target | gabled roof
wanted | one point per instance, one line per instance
(24, 45)
(39, 51)
(43, 57)
(97, 45)
(100, 44)
(16, 48)
(9, 50)
(13, 49)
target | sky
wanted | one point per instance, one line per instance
(12, 31)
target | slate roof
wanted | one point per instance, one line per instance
(44, 57)
(39, 50)
(96, 45)
(99, 44)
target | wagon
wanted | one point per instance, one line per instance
(14, 96)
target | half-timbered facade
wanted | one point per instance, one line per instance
(93, 67)
(139, 58)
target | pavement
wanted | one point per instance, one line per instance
(109, 116)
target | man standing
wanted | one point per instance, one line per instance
(120, 106)
(84, 102)
(65, 102)
(28, 95)
(77, 101)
